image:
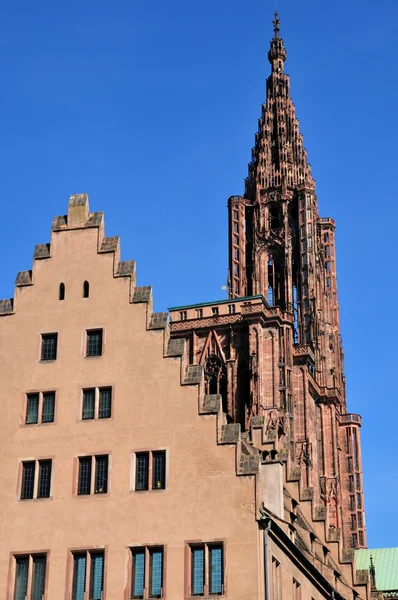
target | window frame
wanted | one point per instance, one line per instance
(150, 476)
(40, 408)
(93, 330)
(31, 557)
(37, 474)
(88, 552)
(207, 547)
(148, 551)
(98, 390)
(46, 336)
(92, 460)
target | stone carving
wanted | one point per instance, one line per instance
(304, 453)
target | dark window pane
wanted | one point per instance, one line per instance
(101, 474)
(48, 407)
(79, 576)
(159, 470)
(28, 480)
(44, 479)
(39, 577)
(84, 475)
(105, 403)
(97, 576)
(138, 576)
(86, 289)
(156, 573)
(32, 408)
(21, 578)
(88, 404)
(62, 291)
(141, 474)
(198, 571)
(94, 342)
(216, 569)
(49, 346)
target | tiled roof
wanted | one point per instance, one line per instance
(385, 561)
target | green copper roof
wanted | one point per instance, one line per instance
(227, 301)
(385, 561)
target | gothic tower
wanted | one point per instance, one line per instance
(280, 248)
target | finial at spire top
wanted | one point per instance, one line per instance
(276, 22)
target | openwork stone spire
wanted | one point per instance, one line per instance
(278, 157)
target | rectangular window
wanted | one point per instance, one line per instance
(231, 309)
(352, 502)
(199, 313)
(101, 475)
(147, 561)
(141, 470)
(48, 407)
(88, 404)
(353, 521)
(44, 484)
(94, 342)
(207, 569)
(328, 282)
(49, 346)
(235, 215)
(100, 484)
(350, 483)
(236, 253)
(361, 538)
(236, 270)
(84, 485)
(214, 310)
(236, 228)
(105, 403)
(359, 501)
(32, 409)
(325, 237)
(159, 470)
(310, 242)
(28, 480)
(150, 470)
(35, 566)
(35, 413)
(328, 266)
(183, 315)
(236, 240)
(354, 540)
(88, 571)
(360, 520)
(309, 228)
(327, 251)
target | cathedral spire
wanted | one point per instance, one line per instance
(277, 54)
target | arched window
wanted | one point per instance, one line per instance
(61, 295)
(215, 378)
(275, 217)
(86, 289)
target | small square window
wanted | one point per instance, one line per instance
(199, 313)
(183, 315)
(30, 488)
(214, 310)
(49, 343)
(94, 342)
(99, 485)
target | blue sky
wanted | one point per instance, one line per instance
(151, 108)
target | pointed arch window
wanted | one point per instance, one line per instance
(215, 377)
(86, 289)
(61, 293)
